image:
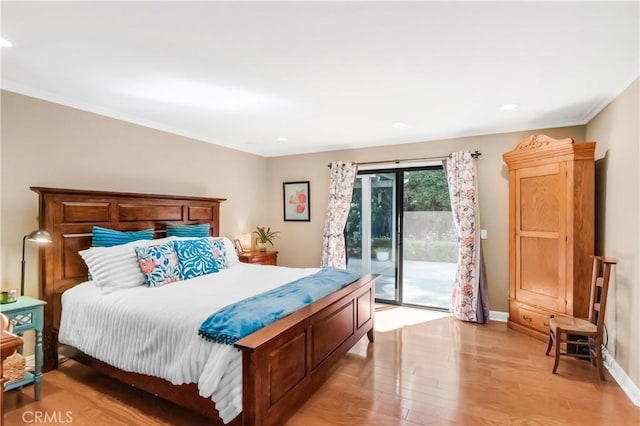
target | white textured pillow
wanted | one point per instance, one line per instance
(117, 267)
(230, 251)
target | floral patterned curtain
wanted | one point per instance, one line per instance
(343, 176)
(469, 301)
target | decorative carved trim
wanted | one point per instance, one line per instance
(538, 150)
(540, 141)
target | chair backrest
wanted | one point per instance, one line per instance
(599, 289)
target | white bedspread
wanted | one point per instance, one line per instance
(154, 331)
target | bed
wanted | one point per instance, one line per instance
(282, 364)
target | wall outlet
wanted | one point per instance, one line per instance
(483, 234)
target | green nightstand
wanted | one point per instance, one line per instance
(27, 314)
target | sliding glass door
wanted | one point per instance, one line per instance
(430, 248)
(401, 227)
(370, 236)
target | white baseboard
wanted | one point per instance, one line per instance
(627, 385)
(31, 361)
(498, 316)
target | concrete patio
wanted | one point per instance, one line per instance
(427, 284)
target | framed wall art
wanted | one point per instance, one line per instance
(238, 245)
(297, 201)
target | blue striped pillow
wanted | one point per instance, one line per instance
(182, 230)
(103, 237)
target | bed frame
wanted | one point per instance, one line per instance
(283, 363)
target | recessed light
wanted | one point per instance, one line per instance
(508, 107)
(5, 43)
(399, 125)
(283, 139)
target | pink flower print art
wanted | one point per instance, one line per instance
(296, 201)
(299, 200)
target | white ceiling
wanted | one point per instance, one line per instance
(325, 75)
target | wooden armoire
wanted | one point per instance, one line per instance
(551, 231)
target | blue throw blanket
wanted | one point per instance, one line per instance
(240, 319)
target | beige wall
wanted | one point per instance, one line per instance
(1, 263)
(300, 242)
(616, 129)
(46, 144)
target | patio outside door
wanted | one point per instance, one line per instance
(405, 233)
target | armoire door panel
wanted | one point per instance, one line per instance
(540, 273)
(539, 203)
(541, 236)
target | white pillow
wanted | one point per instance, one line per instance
(230, 251)
(117, 267)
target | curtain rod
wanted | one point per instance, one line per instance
(475, 154)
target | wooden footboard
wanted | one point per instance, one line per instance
(282, 364)
(285, 362)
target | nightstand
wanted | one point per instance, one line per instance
(259, 257)
(27, 314)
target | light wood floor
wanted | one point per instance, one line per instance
(440, 372)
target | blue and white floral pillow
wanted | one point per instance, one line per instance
(219, 252)
(195, 257)
(159, 264)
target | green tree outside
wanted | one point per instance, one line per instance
(426, 191)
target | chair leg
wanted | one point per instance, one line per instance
(599, 360)
(558, 339)
(550, 342)
(593, 356)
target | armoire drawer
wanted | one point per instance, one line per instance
(537, 320)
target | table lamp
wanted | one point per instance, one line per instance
(39, 236)
(245, 240)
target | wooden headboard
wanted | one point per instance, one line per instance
(69, 216)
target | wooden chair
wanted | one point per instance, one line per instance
(585, 333)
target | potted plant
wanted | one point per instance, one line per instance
(382, 247)
(382, 254)
(265, 235)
